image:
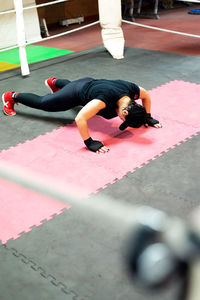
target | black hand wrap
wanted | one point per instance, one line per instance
(150, 121)
(93, 145)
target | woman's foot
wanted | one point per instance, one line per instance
(50, 83)
(8, 104)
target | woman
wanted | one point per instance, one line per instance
(107, 98)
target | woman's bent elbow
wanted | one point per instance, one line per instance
(77, 119)
(80, 121)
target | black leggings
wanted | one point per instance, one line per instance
(66, 98)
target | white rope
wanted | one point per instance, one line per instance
(52, 37)
(162, 29)
(7, 12)
(192, 1)
(33, 6)
(10, 48)
(124, 217)
(49, 187)
(44, 4)
(63, 33)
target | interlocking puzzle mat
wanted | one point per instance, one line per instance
(7, 66)
(61, 154)
(78, 252)
(10, 59)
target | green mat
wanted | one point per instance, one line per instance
(34, 54)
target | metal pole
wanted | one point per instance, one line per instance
(21, 37)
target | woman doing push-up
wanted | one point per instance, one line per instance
(107, 98)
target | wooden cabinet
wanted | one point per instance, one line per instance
(70, 9)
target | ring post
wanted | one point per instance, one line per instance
(21, 37)
(110, 19)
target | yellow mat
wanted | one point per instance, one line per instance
(7, 66)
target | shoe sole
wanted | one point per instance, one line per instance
(48, 86)
(5, 113)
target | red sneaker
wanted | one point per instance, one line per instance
(8, 104)
(50, 84)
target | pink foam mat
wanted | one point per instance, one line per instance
(22, 208)
(61, 153)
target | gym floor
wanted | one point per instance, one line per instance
(55, 250)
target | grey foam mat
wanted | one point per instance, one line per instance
(84, 251)
(21, 279)
(169, 183)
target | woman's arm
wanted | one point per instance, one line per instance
(146, 100)
(86, 113)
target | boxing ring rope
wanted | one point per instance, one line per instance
(21, 31)
(192, 1)
(130, 218)
(47, 186)
(54, 36)
(33, 6)
(111, 32)
(161, 29)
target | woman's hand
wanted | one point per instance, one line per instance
(158, 125)
(146, 102)
(103, 149)
(95, 146)
(152, 122)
